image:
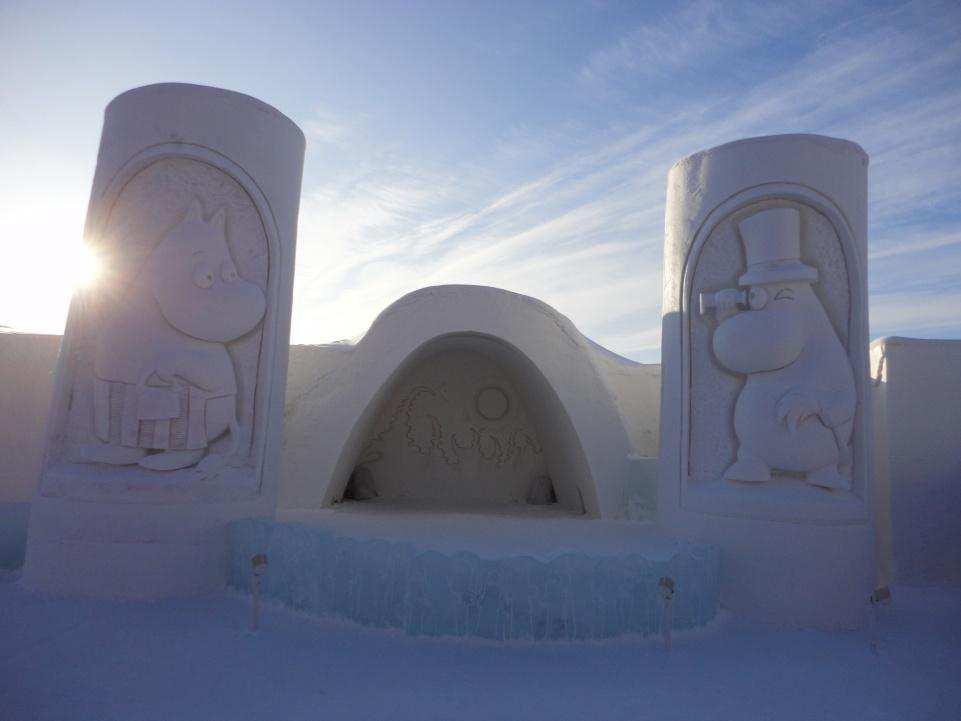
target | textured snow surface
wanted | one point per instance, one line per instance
(532, 577)
(193, 660)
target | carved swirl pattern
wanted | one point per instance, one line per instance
(455, 428)
(494, 445)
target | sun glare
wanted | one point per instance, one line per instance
(43, 274)
(85, 266)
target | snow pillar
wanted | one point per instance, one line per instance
(764, 416)
(167, 411)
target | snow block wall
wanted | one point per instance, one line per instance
(26, 386)
(918, 427)
(424, 591)
(920, 439)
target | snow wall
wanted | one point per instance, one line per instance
(26, 387)
(917, 418)
(917, 465)
(631, 390)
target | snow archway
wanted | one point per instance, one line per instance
(540, 357)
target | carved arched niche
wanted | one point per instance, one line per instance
(716, 260)
(146, 200)
(468, 422)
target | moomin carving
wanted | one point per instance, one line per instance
(796, 410)
(164, 383)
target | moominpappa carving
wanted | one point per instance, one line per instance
(165, 386)
(796, 411)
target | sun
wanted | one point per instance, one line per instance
(75, 266)
(85, 266)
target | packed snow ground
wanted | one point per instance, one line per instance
(172, 661)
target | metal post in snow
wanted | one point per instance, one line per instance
(877, 602)
(258, 567)
(666, 585)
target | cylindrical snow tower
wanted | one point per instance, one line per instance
(167, 410)
(764, 423)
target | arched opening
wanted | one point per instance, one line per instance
(466, 422)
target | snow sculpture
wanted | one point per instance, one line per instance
(162, 352)
(764, 430)
(466, 395)
(166, 417)
(796, 409)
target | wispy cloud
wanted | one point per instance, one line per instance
(691, 35)
(547, 173)
(324, 127)
(917, 242)
(584, 232)
(925, 313)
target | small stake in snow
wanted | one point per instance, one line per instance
(258, 567)
(666, 584)
(878, 601)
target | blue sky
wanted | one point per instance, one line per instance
(520, 145)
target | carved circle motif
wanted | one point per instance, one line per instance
(492, 403)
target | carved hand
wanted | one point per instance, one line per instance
(727, 301)
(795, 406)
(163, 371)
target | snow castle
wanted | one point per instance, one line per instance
(474, 465)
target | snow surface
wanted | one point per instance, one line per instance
(65, 659)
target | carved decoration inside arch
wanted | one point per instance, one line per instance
(455, 429)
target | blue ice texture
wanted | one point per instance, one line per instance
(397, 585)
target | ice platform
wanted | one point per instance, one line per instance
(503, 573)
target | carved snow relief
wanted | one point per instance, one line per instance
(454, 430)
(168, 361)
(772, 387)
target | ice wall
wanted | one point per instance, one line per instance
(424, 591)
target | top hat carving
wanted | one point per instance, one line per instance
(772, 248)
